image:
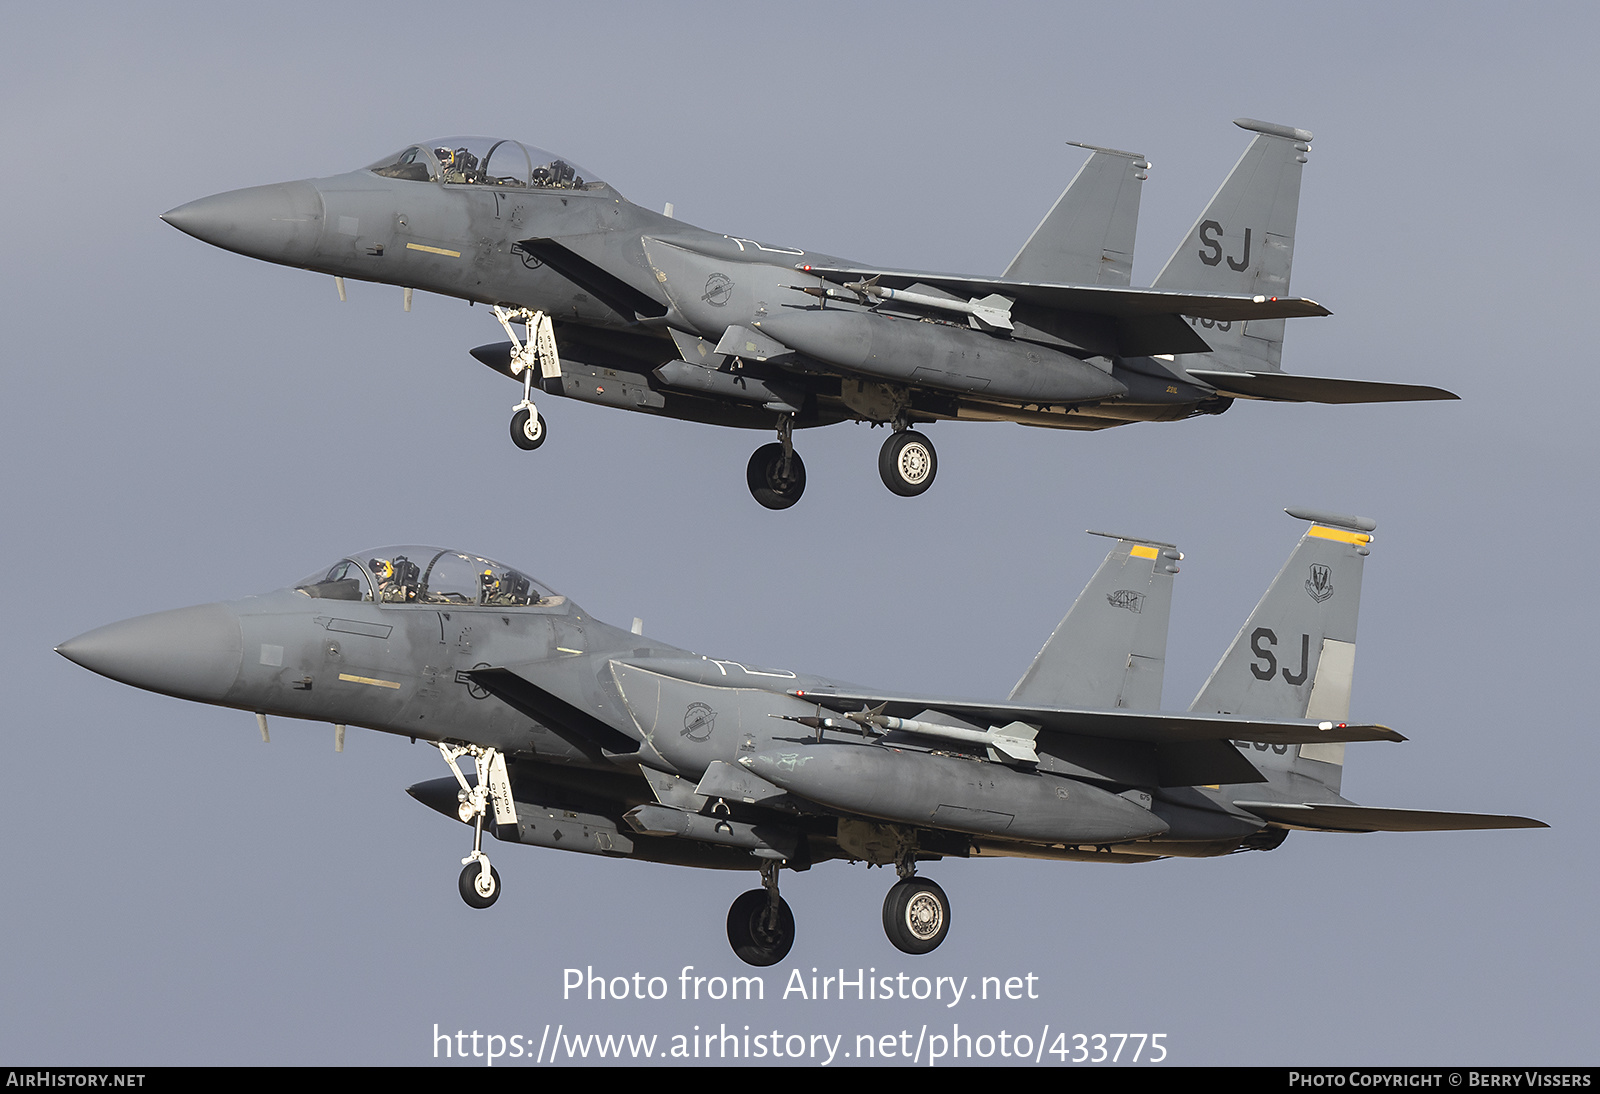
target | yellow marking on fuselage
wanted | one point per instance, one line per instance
(1338, 534)
(564, 649)
(1139, 550)
(369, 680)
(432, 250)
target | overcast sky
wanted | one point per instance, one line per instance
(181, 425)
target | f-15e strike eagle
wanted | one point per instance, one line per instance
(655, 315)
(588, 738)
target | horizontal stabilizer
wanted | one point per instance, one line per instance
(1363, 818)
(1116, 725)
(1314, 389)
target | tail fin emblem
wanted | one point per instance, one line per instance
(1320, 583)
(1126, 598)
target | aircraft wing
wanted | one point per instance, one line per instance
(1135, 727)
(588, 271)
(1363, 818)
(559, 713)
(1282, 387)
(1108, 300)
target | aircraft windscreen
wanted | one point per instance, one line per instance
(485, 161)
(344, 580)
(425, 575)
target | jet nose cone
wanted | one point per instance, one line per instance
(192, 653)
(278, 223)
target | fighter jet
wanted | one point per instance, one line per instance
(586, 737)
(624, 307)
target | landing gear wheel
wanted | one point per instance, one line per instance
(527, 429)
(916, 915)
(767, 481)
(474, 890)
(907, 463)
(752, 940)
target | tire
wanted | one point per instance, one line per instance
(907, 463)
(469, 886)
(527, 430)
(916, 916)
(747, 932)
(767, 485)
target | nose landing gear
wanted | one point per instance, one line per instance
(480, 882)
(536, 351)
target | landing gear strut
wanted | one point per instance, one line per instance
(760, 924)
(535, 352)
(907, 462)
(916, 913)
(480, 882)
(776, 474)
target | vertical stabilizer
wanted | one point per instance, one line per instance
(1244, 243)
(1295, 656)
(1110, 651)
(1087, 236)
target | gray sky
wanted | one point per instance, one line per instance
(183, 425)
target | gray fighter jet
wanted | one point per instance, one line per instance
(655, 315)
(585, 737)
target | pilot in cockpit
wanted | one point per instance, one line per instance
(397, 579)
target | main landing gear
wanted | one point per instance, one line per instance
(776, 474)
(916, 913)
(480, 882)
(536, 351)
(760, 924)
(907, 462)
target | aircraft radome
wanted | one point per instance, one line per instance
(586, 737)
(655, 315)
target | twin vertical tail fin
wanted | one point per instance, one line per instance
(1244, 243)
(1087, 236)
(1110, 651)
(1295, 656)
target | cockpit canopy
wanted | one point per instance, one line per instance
(425, 575)
(485, 161)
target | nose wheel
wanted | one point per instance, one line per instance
(480, 884)
(527, 428)
(907, 463)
